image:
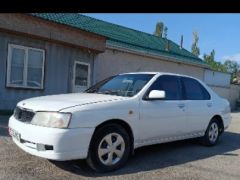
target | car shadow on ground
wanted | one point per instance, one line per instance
(161, 156)
(4, 125)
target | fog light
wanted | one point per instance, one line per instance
(47, 147)
(41, 147)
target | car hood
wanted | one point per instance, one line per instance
(63, 101)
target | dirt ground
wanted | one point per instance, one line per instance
(177, 160)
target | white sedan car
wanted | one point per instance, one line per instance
(109, 120)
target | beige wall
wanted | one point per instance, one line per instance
(230, 93)
(234, 94)
(114, 62)
(221, 91)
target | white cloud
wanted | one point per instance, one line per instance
(234, 57)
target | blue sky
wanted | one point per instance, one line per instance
(216, 31)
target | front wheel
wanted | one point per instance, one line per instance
(212, 133)
(109, 148)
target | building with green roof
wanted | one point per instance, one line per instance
(133, 50)
(53, 53)
(123, 37)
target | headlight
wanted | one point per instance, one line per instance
(51, 119)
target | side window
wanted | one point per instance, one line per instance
(206, 95)
(170, 84)
(193, 90)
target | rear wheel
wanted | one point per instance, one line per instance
(109, 148)
(212, 133)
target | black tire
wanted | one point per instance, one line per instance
(93, 159)
(206, 139)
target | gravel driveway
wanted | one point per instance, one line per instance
(178, 160)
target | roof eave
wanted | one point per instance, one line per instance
(162, 57)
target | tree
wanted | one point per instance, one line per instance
(195, 48)
(228, 66)
(232, 67)
(210, 60)
(165, 31)
(161, 30)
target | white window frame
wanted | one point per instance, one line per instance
(25, 68)
(74, 73)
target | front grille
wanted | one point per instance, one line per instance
(23, 115)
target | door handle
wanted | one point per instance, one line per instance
(209, 104)
(181, 105)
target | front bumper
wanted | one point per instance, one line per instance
(68, 144)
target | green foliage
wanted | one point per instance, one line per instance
(210, 60)
(232, 67)
(228, 66)
(195, 48)
(165, 31)
(161, 30)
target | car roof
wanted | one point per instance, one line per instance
(140, 73)
(159, 73)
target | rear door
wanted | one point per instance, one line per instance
(166, 117)
(199, 104)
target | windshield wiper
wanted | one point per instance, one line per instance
(111, 92)
(91, 90)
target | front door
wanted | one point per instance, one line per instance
(81, 76)
(165, 118)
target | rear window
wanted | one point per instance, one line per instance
(193, 90)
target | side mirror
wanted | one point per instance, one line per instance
(156, 94)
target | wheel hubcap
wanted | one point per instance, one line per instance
(111, 149)
(213, 132)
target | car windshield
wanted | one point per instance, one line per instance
(126, 85)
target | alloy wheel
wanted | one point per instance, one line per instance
(111, 149)
(213, 132)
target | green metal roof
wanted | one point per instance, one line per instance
(122, 36)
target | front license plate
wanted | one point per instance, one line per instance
(15, 134)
